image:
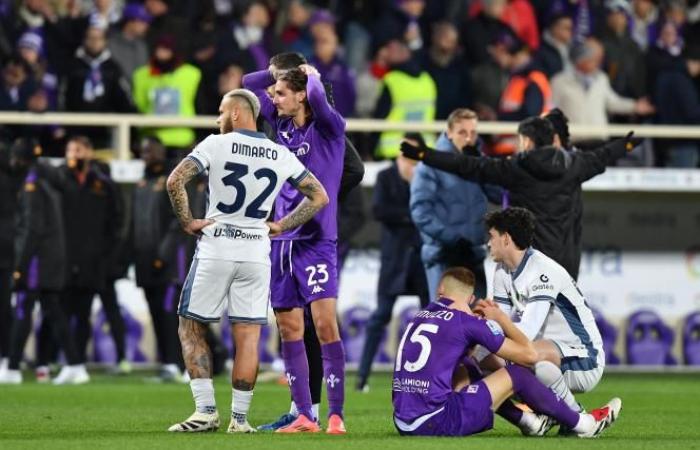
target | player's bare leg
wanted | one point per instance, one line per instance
(290, 323)
(245, 371)
(198, 361)
(514, 379)
(325, 320)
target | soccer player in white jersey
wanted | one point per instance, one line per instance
(230, 272)
(547, 306)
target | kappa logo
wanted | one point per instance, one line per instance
(472, 389)
(290, 378)
(317, 290)
(332, 380)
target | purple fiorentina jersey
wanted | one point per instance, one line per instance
(431, 348)
(319, 145)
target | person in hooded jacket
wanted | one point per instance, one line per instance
(40, 261)
(540, 178)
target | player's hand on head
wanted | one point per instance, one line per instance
(196, 226)
(309, 70)
(275, 229)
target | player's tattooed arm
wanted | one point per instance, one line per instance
(180, 176)
(316, 199)
(195, 350)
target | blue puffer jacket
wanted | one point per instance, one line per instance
(447, 209)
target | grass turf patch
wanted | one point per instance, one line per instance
(659, 411)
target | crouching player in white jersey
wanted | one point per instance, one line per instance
(230, 272)
(547, 306)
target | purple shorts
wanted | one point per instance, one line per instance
(466, 412)
(303, 271)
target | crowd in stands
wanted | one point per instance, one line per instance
(415, 60)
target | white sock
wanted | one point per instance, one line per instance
(550, 375)
(314, 410)
(293, 409)
(585, 423)
(240, 403)
(4, 363)
(527, 420)
(203, 393)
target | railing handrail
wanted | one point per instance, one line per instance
(123, 122)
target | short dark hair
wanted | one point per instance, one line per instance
(287, 60)
(461, 274)
(295, 79)
(82, 140)
(560, 123)
(519, 223)
(539, 130)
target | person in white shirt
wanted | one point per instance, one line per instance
(546, 305)
(230, 272)
(584, 92)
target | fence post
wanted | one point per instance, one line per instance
(123, 140)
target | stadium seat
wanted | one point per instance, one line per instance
(649, 340)
(103, 345)
(353, 332)
(609, 334)
(691, 339)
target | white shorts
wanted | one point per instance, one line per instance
(214, 287)
(582, 371)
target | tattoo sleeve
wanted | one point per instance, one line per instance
(177, 180)
(195, 350)
(316, 198)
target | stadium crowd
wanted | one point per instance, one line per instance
(598, 61)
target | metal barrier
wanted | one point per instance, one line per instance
(121, 125)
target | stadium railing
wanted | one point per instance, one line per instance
(623, 179)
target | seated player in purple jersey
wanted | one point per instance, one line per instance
(304, 260)
(432, 393)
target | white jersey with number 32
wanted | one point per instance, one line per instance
(246, 172)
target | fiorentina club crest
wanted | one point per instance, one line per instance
(290, 378)
(332, 380)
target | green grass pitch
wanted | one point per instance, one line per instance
(659, 412)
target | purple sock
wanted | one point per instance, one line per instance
(539, 397)
(297, 367)
(334, 373)
(510, 412)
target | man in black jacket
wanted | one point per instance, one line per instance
(90, 213)
(10, 183)
(151, 219)
(540, 178)
(40, 260)
(402, 271)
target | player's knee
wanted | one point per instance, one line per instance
(327, 330)
(547, 372)
(290, 330)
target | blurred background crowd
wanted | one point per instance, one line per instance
(600, 61)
